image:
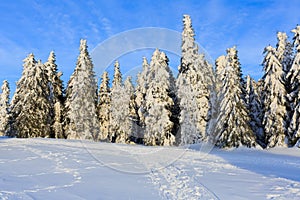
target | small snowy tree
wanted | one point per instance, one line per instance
(104, 107)
(232, 127)
(159, 103)
(294, 95)
(194, 83)
(56, 96)
(4, 108)
(255, 110)
(31, 109)
(81, 97)
(274, 99)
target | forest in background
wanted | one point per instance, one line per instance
(205, 102)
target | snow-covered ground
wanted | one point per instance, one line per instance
(65, 169)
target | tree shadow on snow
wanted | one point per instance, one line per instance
(262, 162)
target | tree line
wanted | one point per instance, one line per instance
(204, 103)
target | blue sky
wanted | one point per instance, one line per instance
(41, 26)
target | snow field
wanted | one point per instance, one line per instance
(67, 169)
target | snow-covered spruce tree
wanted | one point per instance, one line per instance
(134, 115)
(294, 95)
(30, 109)
(255, 109)
(4, 108)
(121, 121)
(194, 84)
(293, 75)
(220, 72)
(56, 96)
(104, 107)
(116, 116)
(141, 88)
(221, 63)
(204, 86)
(284, 54)
(159, 102)
(274, 100)
(188, 114)
(284, 51)
(81, 97)
(130, 110)
(189, 49)
(232, 127)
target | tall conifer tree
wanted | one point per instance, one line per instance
(31, 108)
(104, 104)
(294, 93)
(232, 127)
(81, 97)
(274, 99)
(194, 84)
(56, 96)
(159, 102)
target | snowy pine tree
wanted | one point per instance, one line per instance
(220, 74)
(133, 110)
(123, 110)
(129, 125)
(194, 83)
(221, 63)
(81, 97)
(30, 111)
(189, 49)
(104, 107)
(203, 85)
(141, 89)
(284, 51)
(4, 108)
(255, 108)
(294, 95)
(274, 99)
(232, 127)
(116, 116)
(188, 114)
(159, 102)
(56, 96)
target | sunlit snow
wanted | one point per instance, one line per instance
(66, 169)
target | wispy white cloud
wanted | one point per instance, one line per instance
(107, 26)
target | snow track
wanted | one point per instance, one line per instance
(175, 183)
(181, 179)
(53, 168)
(229, 174)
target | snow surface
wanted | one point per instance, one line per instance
(66, 169)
